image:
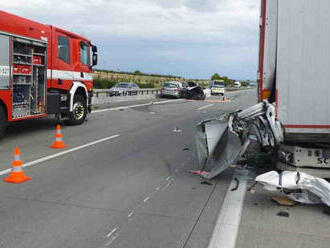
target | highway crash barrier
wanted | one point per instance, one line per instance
(107, 92)
(17, 174)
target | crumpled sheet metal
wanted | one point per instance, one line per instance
(217, 148)
(258, 121)
(220, 142)
(314, 190)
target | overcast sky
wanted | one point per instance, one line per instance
(190, 38)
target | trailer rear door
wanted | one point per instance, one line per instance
(267, 49)
(303, 66)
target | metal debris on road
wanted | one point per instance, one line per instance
(283, 214)
(177, 130)
(199, 172)
(217, 148)
(237, 185)
(206, 182)
(283, 201)
(298, 186)
(221, 142)
(327, 211)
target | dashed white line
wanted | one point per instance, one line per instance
(204, 107)
(135, 106)
(110, 233)
(146, 199)
(158, 188)
(168, 178)
(40, 160)
(168, 184)
(130, 214)
(111, 240)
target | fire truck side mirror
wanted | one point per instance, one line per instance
(94, 50)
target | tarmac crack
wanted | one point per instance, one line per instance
(68, 204)
(199, 216)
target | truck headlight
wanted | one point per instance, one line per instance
(64, 98)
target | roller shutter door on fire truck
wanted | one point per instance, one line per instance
(4, 62)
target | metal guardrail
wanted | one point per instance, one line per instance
(106, 92)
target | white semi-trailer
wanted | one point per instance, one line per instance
(292, 119)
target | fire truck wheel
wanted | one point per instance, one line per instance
(79, 112)
(3, 122)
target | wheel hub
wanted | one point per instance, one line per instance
(78, 110)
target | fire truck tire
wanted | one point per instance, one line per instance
(3, 122)
(79, 112)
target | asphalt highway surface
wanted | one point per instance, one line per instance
(124, 180)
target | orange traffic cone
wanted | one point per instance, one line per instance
(58, 144)
(17, 174)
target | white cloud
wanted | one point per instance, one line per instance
(228, 26)
(195, 20)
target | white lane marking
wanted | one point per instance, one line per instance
(110, 233)
(146, 199)
(158, 188)
(111, 240)
(4, 172)
(168, 184)
(168, 178)
(40, 160)
(130, 214)
(226, 229)
(136, 105)
(204, 107)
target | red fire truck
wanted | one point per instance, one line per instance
(44, 70)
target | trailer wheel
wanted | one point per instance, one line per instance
(3, 122)
(79, 111)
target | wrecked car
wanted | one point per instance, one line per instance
(191, 90)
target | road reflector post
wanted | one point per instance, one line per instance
(58, 144)
(17, 174)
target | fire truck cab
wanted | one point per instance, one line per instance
(43, 70)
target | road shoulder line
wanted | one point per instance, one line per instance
(227, 226)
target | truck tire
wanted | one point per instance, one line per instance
(79, 111)
(3, 122)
